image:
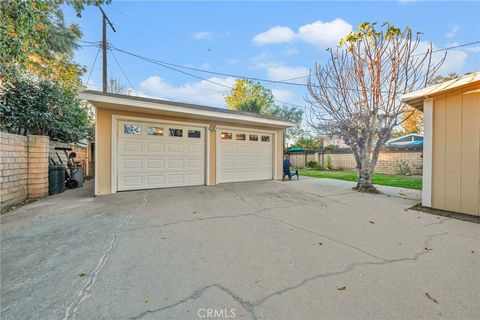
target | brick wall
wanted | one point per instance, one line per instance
(387, 160)
(13, 168)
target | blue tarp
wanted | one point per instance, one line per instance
(416, 143)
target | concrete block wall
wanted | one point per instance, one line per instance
(37, 166)
(13, 168)
(387, 160)
(23, 168)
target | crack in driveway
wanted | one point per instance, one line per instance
(197, 294)
(247, 214)
(84, 293)
(250, 306)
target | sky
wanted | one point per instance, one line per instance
(268, 40)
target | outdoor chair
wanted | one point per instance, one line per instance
(287, 172)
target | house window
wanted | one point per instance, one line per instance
(132, 129)
(155, 131)
(226, 136)
(240, 136)
(253, 137)
(194, 133)
(265, 138)
(175, 132)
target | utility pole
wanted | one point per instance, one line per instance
(104, 47)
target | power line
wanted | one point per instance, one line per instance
(288, 82)
(163, 30)
(124, 74)
(93, 66)
(453, 47)
(195, 76)
(174, 65)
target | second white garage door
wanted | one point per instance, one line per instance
(159, 155)
(244, 155)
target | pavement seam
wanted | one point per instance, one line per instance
(84, 293)
(323, 236)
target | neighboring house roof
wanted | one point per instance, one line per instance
(405, 139)
(150, 105)
(415, 98)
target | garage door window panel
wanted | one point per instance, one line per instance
(155, 131)
(240, 136)
(174, 132)
(253, 137)
(265, 138)
(194, 134)
(132, 129)
(226, 136)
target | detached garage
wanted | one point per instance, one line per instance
(144, 143)
(451, 147)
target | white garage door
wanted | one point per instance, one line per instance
(157, 155)
(244, 155)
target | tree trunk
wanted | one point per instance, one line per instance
(365, 169)
(364, 183)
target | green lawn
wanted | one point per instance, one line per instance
(381, 179)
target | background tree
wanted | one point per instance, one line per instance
(439, 78)
(33, 36)
(250, 96)
(291, 113)
(413, 121)
(356, 95)
(39, 81)
(115, 86)
(307, 142)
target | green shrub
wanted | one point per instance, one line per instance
(29, 105)
(319, 167)
(331, 147)
(328, 163)
(312, 164)
(403, 168)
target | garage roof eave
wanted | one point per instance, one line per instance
(98, 98)
(415, 98)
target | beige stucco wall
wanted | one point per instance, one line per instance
(456, 151)
(104, 138)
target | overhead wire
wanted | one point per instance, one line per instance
(93, 65)
(121, 69)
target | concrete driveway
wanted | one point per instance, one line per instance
(308, 249)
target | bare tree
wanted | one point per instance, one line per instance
(356, 95)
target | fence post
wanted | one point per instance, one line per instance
(37, 166)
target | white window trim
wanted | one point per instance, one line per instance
(114, 140)
(427, 152)
(247, 131)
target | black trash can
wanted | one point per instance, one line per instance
(76, 173)
(61, 178)
(53, 179)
